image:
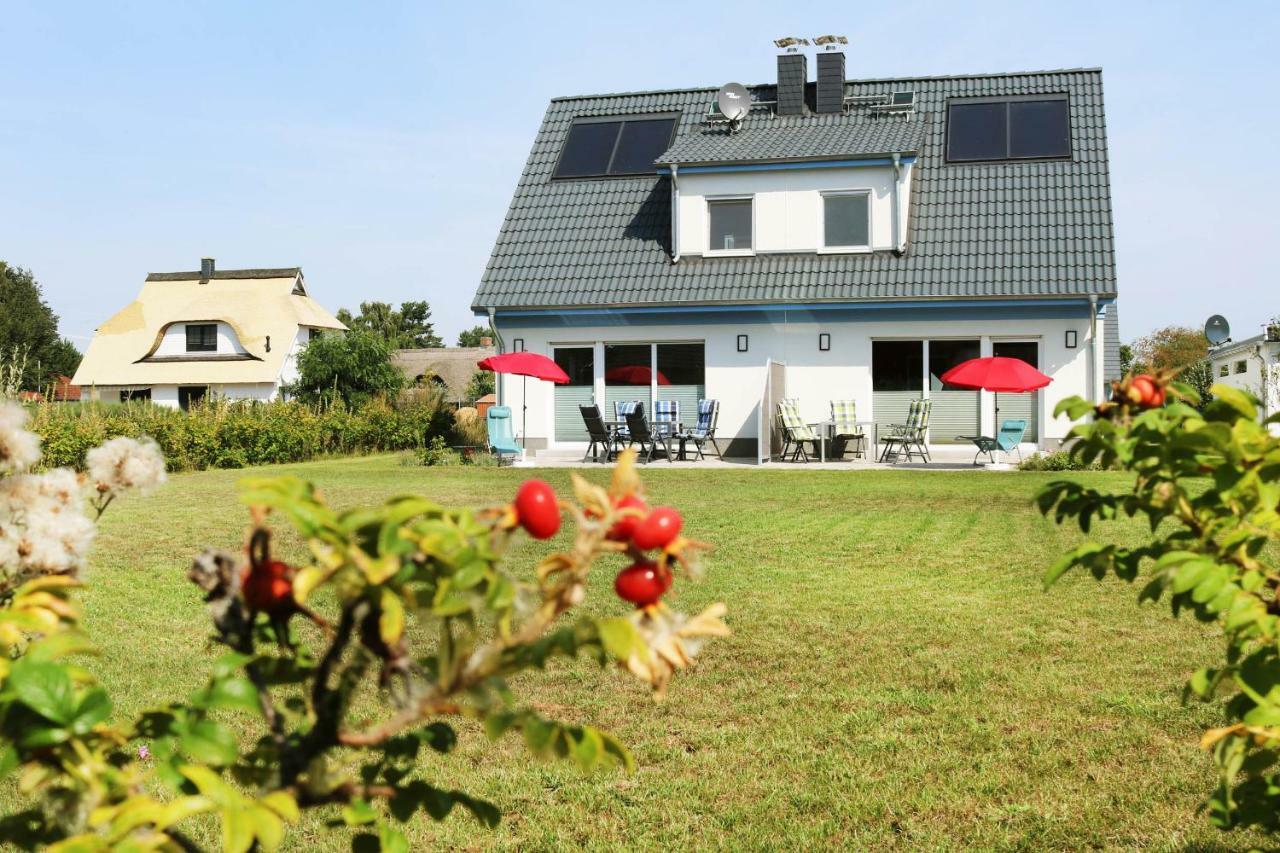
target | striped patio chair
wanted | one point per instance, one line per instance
(795, 430)
(910, 436)
(666, 416)
(844, 419)
(622, 408)
(705, 430)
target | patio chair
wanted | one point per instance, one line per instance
(909, 437)
(845, 429)
(602, 438)
(1009, 438)
(622, 408)
(502, 441)
(666, 416)
(705, 430)
(795, 430)
(649, 439)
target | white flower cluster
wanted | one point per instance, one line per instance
(19, 449)
(43, 525)
(125, 464)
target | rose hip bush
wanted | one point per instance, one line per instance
(408, 604)
(1208, 483)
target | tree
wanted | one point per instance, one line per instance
(1126, 359)
(481, 383)
(408, 328)
(1179, 351)
(352, 367)
(471, 337)
(29, 327)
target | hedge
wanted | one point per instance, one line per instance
(225, 434)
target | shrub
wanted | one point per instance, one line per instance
(1059, 460)
(226, 434)
(1208, 484)
(415, 603)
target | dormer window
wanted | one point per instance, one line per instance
(614, 146)
(846, 221)
(730, 220)
(1022, 128)
(202, 337)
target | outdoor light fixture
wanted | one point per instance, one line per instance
(824, 341)
(1071, 338)
(517, 345)
(742, 343)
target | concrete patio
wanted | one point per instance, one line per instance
(947, 457)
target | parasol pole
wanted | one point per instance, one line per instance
(524, 416)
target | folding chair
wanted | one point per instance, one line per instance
(1008, 438)
(601, 436)
(910, 437)
(708, 414)
(796, 430)
(502, 440)
(648, 438)
(844, 417)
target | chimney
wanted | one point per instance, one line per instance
(486, 342)
(206, 269)
(830, 97)
(793, 73)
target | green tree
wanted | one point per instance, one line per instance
(408, 328)
(1179, 351)
(471, 337)
(29, 326)
(481, 384)
(352, 367)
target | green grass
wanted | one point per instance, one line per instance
(896, 677)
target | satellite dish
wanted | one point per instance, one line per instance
(734, 101)
(1217, 330)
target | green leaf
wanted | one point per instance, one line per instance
(358, 813)
(94, 708)
(234, 693)
(229, 664)
(618, 636)
(44, 688)
(1191, 573)
(587, 748)
(392, 840)
(209, 743)
(8, 760)
(391, 617)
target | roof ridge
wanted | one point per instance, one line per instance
(1096, 69)
(257, 272)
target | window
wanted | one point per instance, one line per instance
(578, 363)
(612, 147)
(897, 365)
(312, 334)
(730, 225)
(1242, 367)
(202, 337)
(1013, 129)
(129, 395)
(846, 220)
(189, 395)
(1224, 370)
(944, 355)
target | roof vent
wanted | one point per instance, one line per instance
(793, 74)
(206, 269)
(830, 98)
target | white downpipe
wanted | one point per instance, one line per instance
(895, 205)
(1094, 376)
(675, 213)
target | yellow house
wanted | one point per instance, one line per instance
(233, 333)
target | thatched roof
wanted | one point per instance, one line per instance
(453, 366)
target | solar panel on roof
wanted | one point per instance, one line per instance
(595, 149)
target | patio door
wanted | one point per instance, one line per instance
(579, 363)
(1020, 406)
(628, 373)
(955, 411)
(897, 368)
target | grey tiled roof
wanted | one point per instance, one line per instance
(764, 137)
(980, 230)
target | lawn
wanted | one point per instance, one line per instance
(896, 679)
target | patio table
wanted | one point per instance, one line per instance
(825, 429)
(676, 431)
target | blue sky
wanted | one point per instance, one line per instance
(377, 144)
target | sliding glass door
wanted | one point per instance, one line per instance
(902, 371)
(1020, 406)
(897, 369)
(579, 363)
(628, 373)
(954, 411)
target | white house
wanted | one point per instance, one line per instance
(1252, 364)
(842, 240)
(235, 333)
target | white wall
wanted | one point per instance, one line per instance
(1257, 359)
(815, 378)
(167, 395)
(787, 205)
(174, 341)
(289, 370)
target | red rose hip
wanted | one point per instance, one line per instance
(537, 510)
(658, 529)
(267, 587)
(1146, 392)
(624, 528)
(642, 583)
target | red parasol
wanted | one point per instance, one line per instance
(996, 373)
(634, 374)
(525, 364)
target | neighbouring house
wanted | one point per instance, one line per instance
(64, 391)
(232, 333)
(843, 239)
(1252, 364)
(448, 368)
